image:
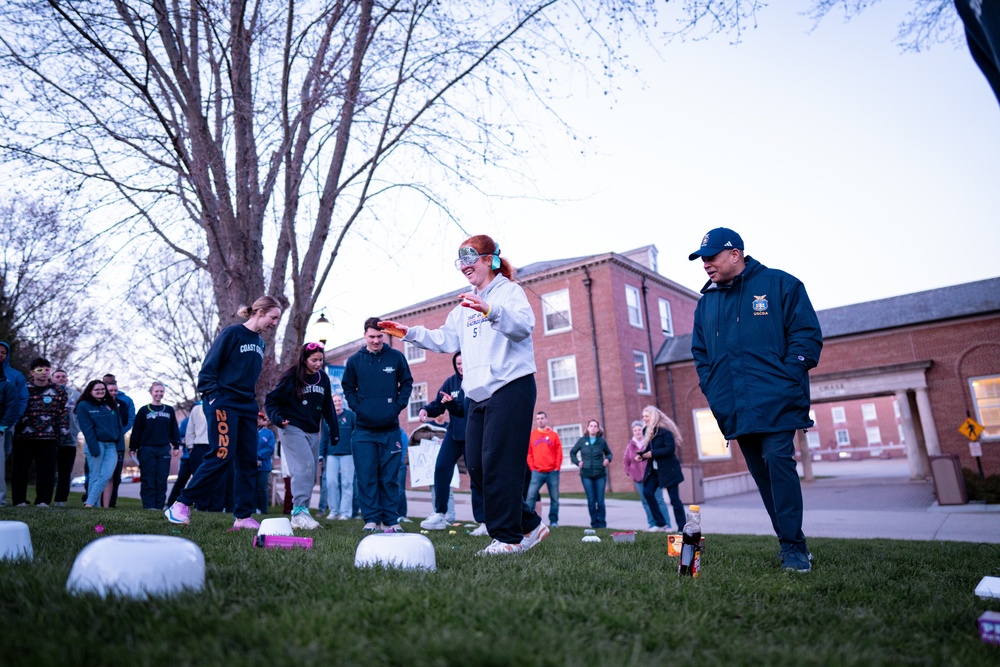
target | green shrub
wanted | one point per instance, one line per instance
(977, 488)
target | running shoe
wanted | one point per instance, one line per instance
(500, 548)
(370, 527)
(248, 523)
(481, 531)
(178, 513)
(535, 536)
(302, 519)
(393, 529)
(436, 521)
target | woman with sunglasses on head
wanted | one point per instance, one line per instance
(492, 328)
(297, 405)
(103, 433)
(228, 386)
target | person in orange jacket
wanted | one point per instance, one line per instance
(545, 456)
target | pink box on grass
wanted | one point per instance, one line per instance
(989, 627)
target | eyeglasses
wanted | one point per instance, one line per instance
(314, 346)
(468, 256)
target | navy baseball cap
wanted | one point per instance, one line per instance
(716, 241)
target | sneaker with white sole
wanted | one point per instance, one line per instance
(370, 527)
(534, 537)
(393, 529)
(500, 549)
(436, 521)
(178, 513)
(332, 516)
(302, 519)
(343, 517)
(246, 523)
(480, 531)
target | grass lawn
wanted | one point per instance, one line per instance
(871, 602)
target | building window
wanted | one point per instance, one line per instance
(838, 414)
(414, 354)
(902, 434)
(555, 311)
(418, 399)
(562, 378)
(895, 408)
(868, 412)
(843, 437)
(711, 443)
(666, 319)
(634, 303)
(812, 439)
(986, 397)
(874, 435)
(641, 361)
(568, 435)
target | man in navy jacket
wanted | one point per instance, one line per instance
(755, 338)
(377, 385)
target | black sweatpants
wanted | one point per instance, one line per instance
(43, 453)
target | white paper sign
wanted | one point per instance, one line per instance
(422, 459)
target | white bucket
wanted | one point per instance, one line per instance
(275, 526)
(15, 541)
(402, 550)
(138, 566)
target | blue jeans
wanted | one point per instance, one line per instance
(660, 502)
(154, 468)
(376, 460)
(651, 491)
(101, 467)
(260, 492)
(340, 483)
(551, 479)
(770, 458)
(594, 488)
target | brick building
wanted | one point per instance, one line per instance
(931, 357)
(599, 322)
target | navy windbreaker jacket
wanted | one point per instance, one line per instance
(754, 342)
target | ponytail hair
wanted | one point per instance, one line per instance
(484, 245)
(263, 304)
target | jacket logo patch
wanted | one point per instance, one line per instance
(388, 369)
(760, 304)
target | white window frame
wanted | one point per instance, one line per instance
(987, 407)
(415, 404)
(549, 309)
(575, 432)
(707, 434)
(413, 354)
(869, 412)
(553, 379)
(843, 437)
(839, 414)
(632, 292)
(874, 435)
(666, 319)
(641, 374)
(812, 440)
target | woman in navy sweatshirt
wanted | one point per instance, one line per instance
(155, 436)
(228, 386)
(297, 405)
(102, 429)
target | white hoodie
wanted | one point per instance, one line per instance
(496, 349)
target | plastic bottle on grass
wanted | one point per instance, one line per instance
(690, 565)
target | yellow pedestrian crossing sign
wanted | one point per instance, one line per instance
(971, 429)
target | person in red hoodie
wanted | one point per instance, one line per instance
(545, 456)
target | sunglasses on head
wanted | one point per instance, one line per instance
(314, 346)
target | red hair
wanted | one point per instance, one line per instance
(484, 245)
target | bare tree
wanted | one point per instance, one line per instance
(46, 272)
(219, 129)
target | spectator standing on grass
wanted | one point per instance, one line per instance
(297, 405)
(340, 464)
(545, 459)
(66, 452)
(126, 410)
(103, 432)
(592, 455)
(635, 469)
(184, 466)
(9, 405)
(227, 383)
(20, 388)
(377, 385)
(45, 422)
(755, 338)
(492, 327)
(155, 439)
(265, 462)
(661, 441)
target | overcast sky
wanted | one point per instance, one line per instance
(864, 171)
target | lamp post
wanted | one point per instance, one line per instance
(323, 328)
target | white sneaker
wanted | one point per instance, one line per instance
(304, 521)
(436, 521)
(500, 548)
(370, 527)
(343, 517)
(332, 516)
(392, 529)
(535, 536)
(479, 532)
